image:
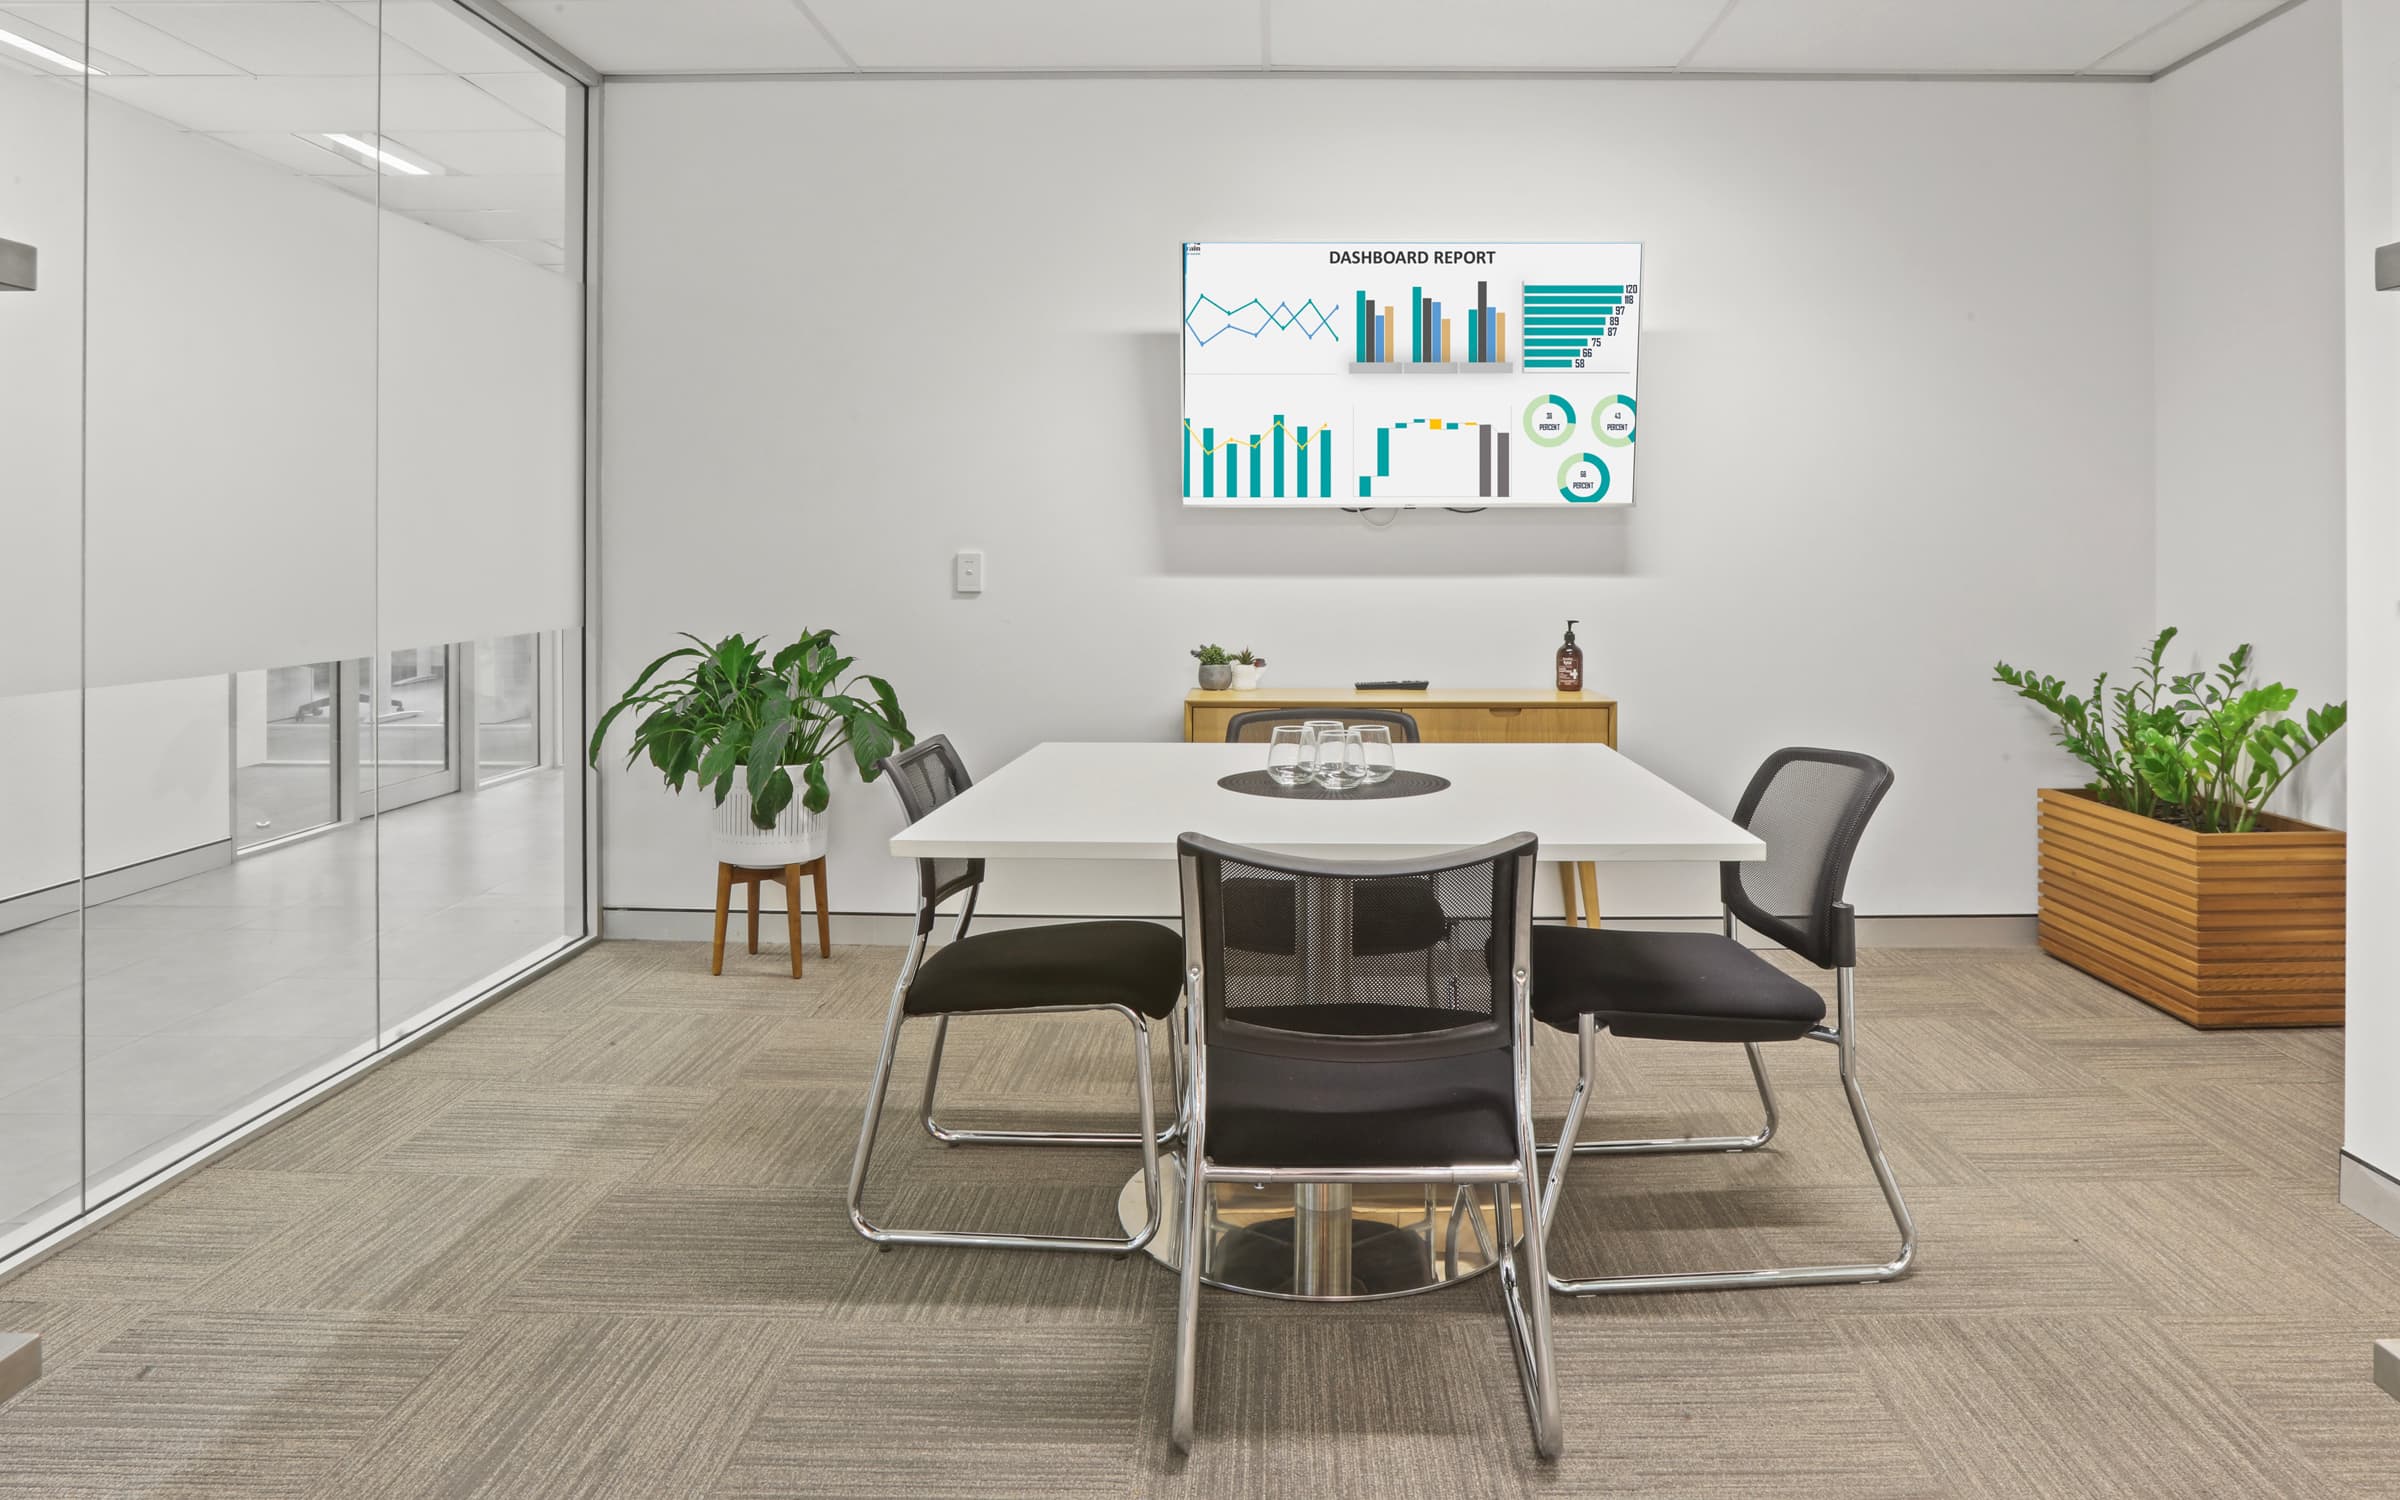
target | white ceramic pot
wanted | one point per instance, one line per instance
(1245, 677)
(797, 837)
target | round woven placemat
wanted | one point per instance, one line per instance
(1399, 784)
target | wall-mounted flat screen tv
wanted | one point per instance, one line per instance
(1404, 373)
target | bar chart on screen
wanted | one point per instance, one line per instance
(1402, 373)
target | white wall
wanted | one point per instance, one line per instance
(1896, 373)
(2246, 218)
(2371, 158)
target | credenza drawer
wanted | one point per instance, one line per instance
(1516, 726)
(1533, 718)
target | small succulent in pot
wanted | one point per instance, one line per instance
(1247, 664)
(1216, 668)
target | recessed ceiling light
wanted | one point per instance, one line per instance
(24, 44)
(379, 155)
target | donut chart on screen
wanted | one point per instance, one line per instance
(1583, 479)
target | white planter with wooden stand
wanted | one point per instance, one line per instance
(797, 838)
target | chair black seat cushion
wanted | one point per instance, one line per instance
(1266, 1111)
(1675, 986)
(1387, 916)
(1138, 965)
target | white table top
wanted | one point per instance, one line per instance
(1065, 800)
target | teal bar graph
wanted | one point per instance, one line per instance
(1279, 455)
(1300, 462)
(1324, 465)
(1208, 463)
(1567, 323)
(1254, 466)
(1383, 452)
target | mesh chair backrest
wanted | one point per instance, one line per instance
(926, 775)
(1811, 807)
(1254, 725)
(1364, 959)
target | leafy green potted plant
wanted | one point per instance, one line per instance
(1246, 667)
(757, 730)
(2165, 875)
(1216, 668)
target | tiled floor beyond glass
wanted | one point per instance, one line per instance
(201, 998)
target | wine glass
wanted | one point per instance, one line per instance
(1289, 759)
(1375, 751)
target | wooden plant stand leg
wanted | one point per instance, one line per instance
(824, 912)
(791, 911)
(1590, 875)
(1566, 891)
(750, 879)
(716, 954)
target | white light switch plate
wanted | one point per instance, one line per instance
(966, 572)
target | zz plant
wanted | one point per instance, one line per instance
(736, 711)
(2202, 749)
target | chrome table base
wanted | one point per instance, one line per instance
(1326, 1242)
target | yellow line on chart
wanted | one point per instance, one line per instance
(1300, 437)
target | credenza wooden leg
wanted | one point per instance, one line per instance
(1590, 875)
(1566, 891)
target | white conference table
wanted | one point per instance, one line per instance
(1077, 800)
(1105, 801)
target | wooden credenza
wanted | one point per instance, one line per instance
(1519, 716)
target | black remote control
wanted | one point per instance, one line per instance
(1409, 685)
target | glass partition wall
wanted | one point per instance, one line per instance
(292, 595)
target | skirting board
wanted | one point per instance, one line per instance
(891, 929)
(20, 1362)
(60, 900)
(2371, 1194)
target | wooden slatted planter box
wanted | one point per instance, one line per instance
(2215, 929)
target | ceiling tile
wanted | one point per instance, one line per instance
(126, 36)
(285, 38)
(432, 29)
(1045, 33)
(488, 153)
(537, 96)
(543, 253)
(1915, 36)
(642, 36)
(465, 194)
(222, 106)
(494, 224)
(1495, 34)
(2183, 35)
(289, 151)
(443, 103)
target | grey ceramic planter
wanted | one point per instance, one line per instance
(1216, 678)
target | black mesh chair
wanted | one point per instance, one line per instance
(1252, 727)
(1133, 970)
(1810, 807)
(1332, 1062)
